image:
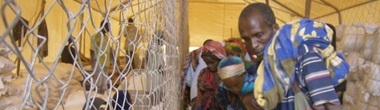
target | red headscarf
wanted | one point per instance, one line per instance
(215, 48)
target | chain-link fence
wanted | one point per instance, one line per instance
(82, 54)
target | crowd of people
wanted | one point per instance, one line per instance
(292, 67)
(102, 56)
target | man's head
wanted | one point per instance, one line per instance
(130, 20)
(257, 24)
(207, 41)
(232, 72)
(159, 37)
(71, 40)
(106, 27)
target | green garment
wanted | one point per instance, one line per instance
(101, 47)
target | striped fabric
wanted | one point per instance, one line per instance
(314, 80)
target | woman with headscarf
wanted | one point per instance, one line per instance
(208, 80)
(191, 68)
(237, 76)
(236, 90)
(235, 47)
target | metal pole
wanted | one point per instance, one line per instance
(360, 4)
(307, 8)
(335, 8)
(291, 10)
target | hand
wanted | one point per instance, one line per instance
(330, 106)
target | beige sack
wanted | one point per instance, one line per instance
(371, 37)
(353, 39)
(350, 93)
(340, 32)
(4, 50)
(360, 106)
(373, 100)
(353, 74)
(371, 107)
(6, 65)
(352, 59)
(348, 44)
(378, 101)
(62, 71)
(372, 70)
(372, 86)
(376, 55)
(376, 58)
(4, 102)
(376, 51)
(347, 106)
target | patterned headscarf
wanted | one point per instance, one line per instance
(276, 72)
(215, 48)
(192, 60)
(235, 45)
(234, 66)
(230, 67)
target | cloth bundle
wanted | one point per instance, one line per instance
(277, 72)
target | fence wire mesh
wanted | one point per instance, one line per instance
(89, 54)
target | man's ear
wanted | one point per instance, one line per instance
(276, 27)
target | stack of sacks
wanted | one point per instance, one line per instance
(126, 80)
(339, 35)
(9, 93)
(353, 39)
(356, 66)
(55, 86)
(354, 80)
(363, 81)
(371, 37)
(376, 50)
(350, 93)
(76, 100)
(370, 95)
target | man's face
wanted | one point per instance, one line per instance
(256, 33)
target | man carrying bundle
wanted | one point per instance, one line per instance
(298, 67)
